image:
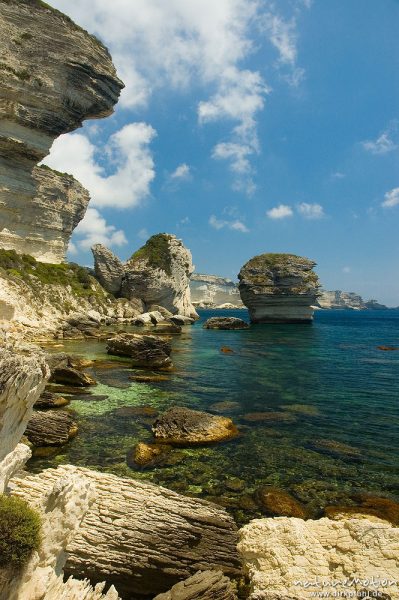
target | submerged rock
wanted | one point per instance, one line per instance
(292, 558)
(279, 503)
(204, 585)
(53, 76)
(183, 426)
(225, 323)
(148, 455)
(279, 288)
(383, 508)
(147, 351)
(181, 320)
(140, 537)
(335, 448)
(51, 428)
(159, 273)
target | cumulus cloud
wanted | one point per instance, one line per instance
(386, 142)
(127, 153)
(282, 211)
(311, 211)
(235, 225)
(183, 171)
(93, 229)
(391, 198)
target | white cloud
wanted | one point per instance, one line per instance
(311, 211)
(72, 249)
(127, 154)
(391, 198)
(282, 211)
(386, 142)
(346, 269)
(338, 175)
(235, 225)
(143, 234)
(95, 230)
(183, 171)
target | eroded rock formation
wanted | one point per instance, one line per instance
(140, 537)
(53, 75)
(225, 323)
(204, 585)
(213, 291)
(182, 426)
(147, 351)
(279, 288)
(291, 558)
(158, 274)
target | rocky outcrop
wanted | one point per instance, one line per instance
(159, 273)
(53, 75)
(108, 269)
(147, 351)
(182, 426)
(213, 291)
(279, 288)
(51, 428)
(204, 585)
(140, 537)
(225, 323)
(337, 299)
(291, 558)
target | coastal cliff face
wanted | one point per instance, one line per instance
(279, 288)
(213, 291)
(337, 299)
(53, 75)
(158, 274)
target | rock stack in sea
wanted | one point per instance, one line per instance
(53, 75)
(158, 274)
(279, 288)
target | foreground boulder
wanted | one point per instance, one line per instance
(182, 426)
(142, 538)
(204, 585)
(279, 288)
(147, 351)
(225, 323)
(51, 428)
(291, 558)
(159, 273)
(50, 400)
(69, 376)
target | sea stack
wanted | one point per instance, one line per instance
(279, 288)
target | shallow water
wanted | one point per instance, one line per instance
(320, 383)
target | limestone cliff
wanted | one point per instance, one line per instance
(279, 288)
(53, 75)
(337, 299)
(213, 291)
(158, 274)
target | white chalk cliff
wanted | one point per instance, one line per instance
(53, 75)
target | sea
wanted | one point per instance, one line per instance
(316, 406)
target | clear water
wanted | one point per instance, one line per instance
(327, 382)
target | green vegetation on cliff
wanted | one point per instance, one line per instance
(19, 531)
(156, 252)
(24, 267)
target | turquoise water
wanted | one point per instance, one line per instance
(331, 398)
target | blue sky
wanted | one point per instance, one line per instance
(245, 127)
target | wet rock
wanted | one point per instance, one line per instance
(225, 406)
(181, 320)
(149, 378)
(204, 585)
(168, 328)
(183, 426)
(70, 376)
(226, 350)
(279, 503)
(51, 428)
(136, 411)
(50, 400)
(66, 389)
(147, 455)
(146, 351)
(383, 508)
(279, 288)
(225, 323)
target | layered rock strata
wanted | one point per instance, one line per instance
(182, 426)
(157, 274)
(279, 288)
(337, 299)
(204, 585)
(291, 558)
(53, 75)
(213, 291)
(147, 351)
(140, 537)
(225, 323)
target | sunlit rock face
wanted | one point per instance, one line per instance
(159, 274)
(53, 75)
(108, 269)
(279, 288)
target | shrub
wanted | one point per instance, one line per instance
(19, 531)
(156, 252)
